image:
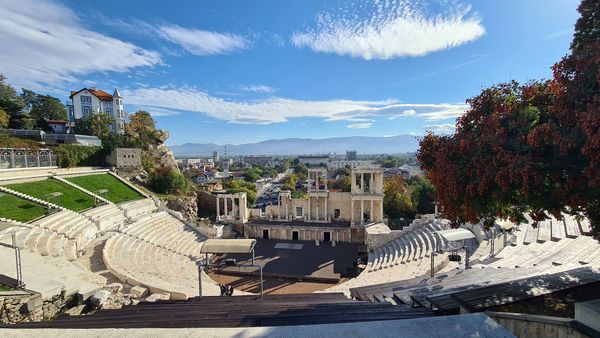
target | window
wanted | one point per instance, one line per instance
(86, 99)
(86, 110)
(108, 111)
(298, 211)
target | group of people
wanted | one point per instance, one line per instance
(226, 290)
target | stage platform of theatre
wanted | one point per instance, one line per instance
(302, 260)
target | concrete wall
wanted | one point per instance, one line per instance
(125, 158)
(533, 326)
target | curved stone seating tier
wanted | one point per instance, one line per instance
(106, 217)
(138, 208)
(137, 262)
(415, 244)
(72, 225)
(405, 257)
(40, 240)
(163, 230)
(49, 275)
(568, 251)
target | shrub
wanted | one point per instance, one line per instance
(167, 181)
(73, 155)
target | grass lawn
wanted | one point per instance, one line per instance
(71, 198)
(118, 191)
(18, 209)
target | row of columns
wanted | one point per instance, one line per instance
(325, 215)
(362, 211)
(373, 187)
(241, 206)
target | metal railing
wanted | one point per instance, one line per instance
(26, 158)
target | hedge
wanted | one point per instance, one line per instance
(73, 155)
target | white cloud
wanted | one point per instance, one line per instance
(394, 28)
(408, 112)
(44, 43)
(259, 89)
(445, 128)
(360, 125)
(280, 109)
(201, 42)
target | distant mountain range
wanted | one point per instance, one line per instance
(300, 146)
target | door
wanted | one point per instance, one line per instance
(294, 235)
(327, 236)
(265, 234)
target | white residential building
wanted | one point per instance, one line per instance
(92, 100)
(339, 164)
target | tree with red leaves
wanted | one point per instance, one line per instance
(527, 148)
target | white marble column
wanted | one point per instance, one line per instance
(362, 212)
(362, 182)
(371, 184)
(287, 213)
(371, 213)
(326, 212)
(353, 182)
(218, 207)
(317, 209)
(351, 211)
(225, 206)
(381, 211)
(308, 215)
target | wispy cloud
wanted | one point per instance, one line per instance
(202, 42)
(44, 44)
(408, 112)
(360, 125)
(281, 109)
(391, 29)
(445, 128)
(259, 89)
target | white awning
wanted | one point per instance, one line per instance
(456, 234)
(222, 246)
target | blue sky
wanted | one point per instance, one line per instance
(246, 71)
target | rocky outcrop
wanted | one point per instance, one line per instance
(186, 205)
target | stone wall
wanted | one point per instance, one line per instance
(305, 233)
(207, 204)
(26, 306)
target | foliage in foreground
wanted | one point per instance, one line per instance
(527, 148)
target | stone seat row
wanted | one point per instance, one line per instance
(163, 230)
(580, 250)
(413, 245)
(137, 262)
(41, 241)
(138, 208)
(51, 276)
(72, 225)
(106, 217)
(553, 229)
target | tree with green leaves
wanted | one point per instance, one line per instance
(100, 124)
(4, 119)
(396, 200)
(141, 129)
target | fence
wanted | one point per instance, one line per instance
(26, 158)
